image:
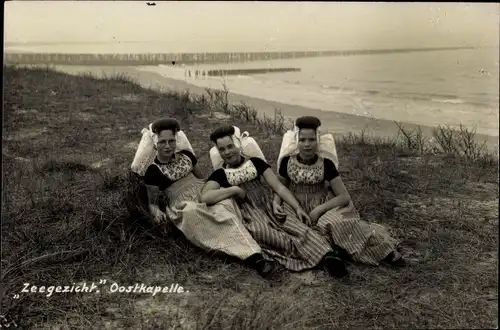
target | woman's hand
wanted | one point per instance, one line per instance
(278, 210)
(303, 216)
(157, 214)
(315, 214)
(239, 194)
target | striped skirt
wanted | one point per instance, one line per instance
(365, 242)
(216, 228)
(291, 243)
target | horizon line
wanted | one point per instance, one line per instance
(284, 51)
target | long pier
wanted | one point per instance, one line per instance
(189, 58)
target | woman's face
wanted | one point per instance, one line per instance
(308, 143)
(229, 152)
(166, 144)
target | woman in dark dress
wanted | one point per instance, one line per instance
(317, 185)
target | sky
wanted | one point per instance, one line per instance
(251, 26)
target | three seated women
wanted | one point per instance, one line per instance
(235, 212)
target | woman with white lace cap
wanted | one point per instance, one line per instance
(216, 228)
(316, 183)
(288, 241)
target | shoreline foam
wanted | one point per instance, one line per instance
(335, 122)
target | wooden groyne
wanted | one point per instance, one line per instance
(188, 58)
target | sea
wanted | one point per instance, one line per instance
(451, 87)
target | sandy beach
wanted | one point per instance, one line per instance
(334, 122)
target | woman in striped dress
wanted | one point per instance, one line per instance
(316, 184)
(294, 245)
(216, 228)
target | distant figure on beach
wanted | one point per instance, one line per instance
(290, 242)
(330, 208)
(217, 227)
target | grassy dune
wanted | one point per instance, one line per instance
(67, 146)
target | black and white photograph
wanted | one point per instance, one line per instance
(245, 165)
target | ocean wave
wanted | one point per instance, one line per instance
(244, 77)
(448, 99)
(430, 97)
(433, 97)
(425, 97)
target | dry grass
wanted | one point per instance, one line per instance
(68, 144)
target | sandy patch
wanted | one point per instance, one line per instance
(108, 162)
(27, 133)
(220, 116)
(85, 116)
(484, 187)
(17, 158)
(428, 294)
(22, 159)
(419, 161)
(489, 260)
(128, 97)
(25, 111)
(217, 117)
(131, 145)
(308, 277)
(168, 309)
